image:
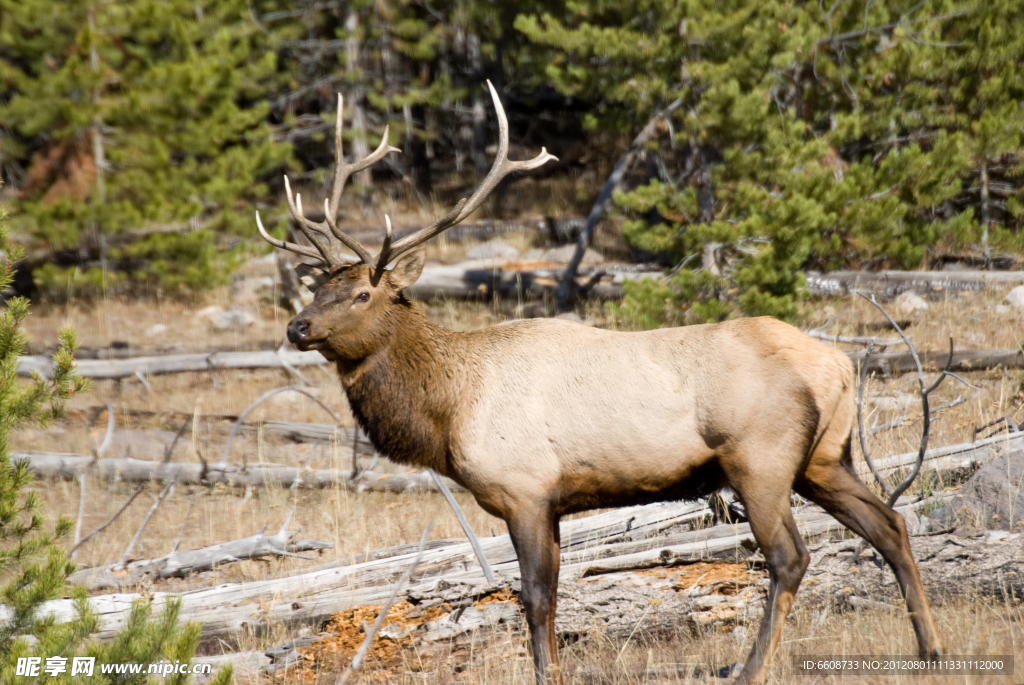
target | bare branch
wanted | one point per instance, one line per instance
(904, 420)
(109, 434)
(1008, 424)
(188, 514)
(860, 422)
(81, 507)
(926, 417)
(852, 340)
(468, 529)
(260, 400)
(168, 489)
(109, 521)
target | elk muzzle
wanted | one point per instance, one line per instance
(300, 333)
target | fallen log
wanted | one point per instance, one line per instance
(295, 431)
(964, 457)
(892, 363)
(68, 466)
(182, 564)
(653, 535)
(312, 597)
(148, 366)
(888, 284)
(488, 278)
(125, 351)
(689, 598)
(230, 609)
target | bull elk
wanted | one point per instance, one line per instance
(543, 418)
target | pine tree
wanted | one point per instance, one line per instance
(849, 135)
(33, 567)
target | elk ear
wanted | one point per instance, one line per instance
(312, 276)
(407, 269)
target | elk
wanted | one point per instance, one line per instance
(543, 418)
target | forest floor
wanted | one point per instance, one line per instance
(360, 522)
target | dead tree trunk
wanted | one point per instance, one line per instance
(566, 295)
(360, 149)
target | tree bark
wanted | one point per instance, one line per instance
(360, 149)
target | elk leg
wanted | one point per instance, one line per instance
(842, 494)
(776, 534)
(535, 537)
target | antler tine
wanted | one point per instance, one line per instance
(295, 205)
(420, 236)
(502, 167)
(291, 247)
(342, 170)
(364, 255)
(385, 248)
(341, 173)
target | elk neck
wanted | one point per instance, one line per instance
(405, 393)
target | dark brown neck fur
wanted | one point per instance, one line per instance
(404, 393)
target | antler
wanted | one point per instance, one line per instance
(502, 167)
(328, 227)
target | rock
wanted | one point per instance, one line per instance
(250, 289)
(493, 249)
(1015, 298)
(230, 320)
(993, 498)
(151, 445)
(207, 312)
(1003, 309)
(909, 303)
(155, 330)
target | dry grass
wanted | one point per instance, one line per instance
(356, 523)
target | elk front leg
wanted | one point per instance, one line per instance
(534, 531)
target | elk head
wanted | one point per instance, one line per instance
(353, 298)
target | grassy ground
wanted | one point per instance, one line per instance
(356, 523)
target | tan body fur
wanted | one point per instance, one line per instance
(541, 418)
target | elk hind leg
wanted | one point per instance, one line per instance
(841, 493)
(535, 536)
(779, 539)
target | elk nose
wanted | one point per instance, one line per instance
(298, 330)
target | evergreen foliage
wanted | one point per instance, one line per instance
(846, 134)
(33, 567)
(811, 137)
(144, 115)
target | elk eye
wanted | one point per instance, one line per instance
(363, 297)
